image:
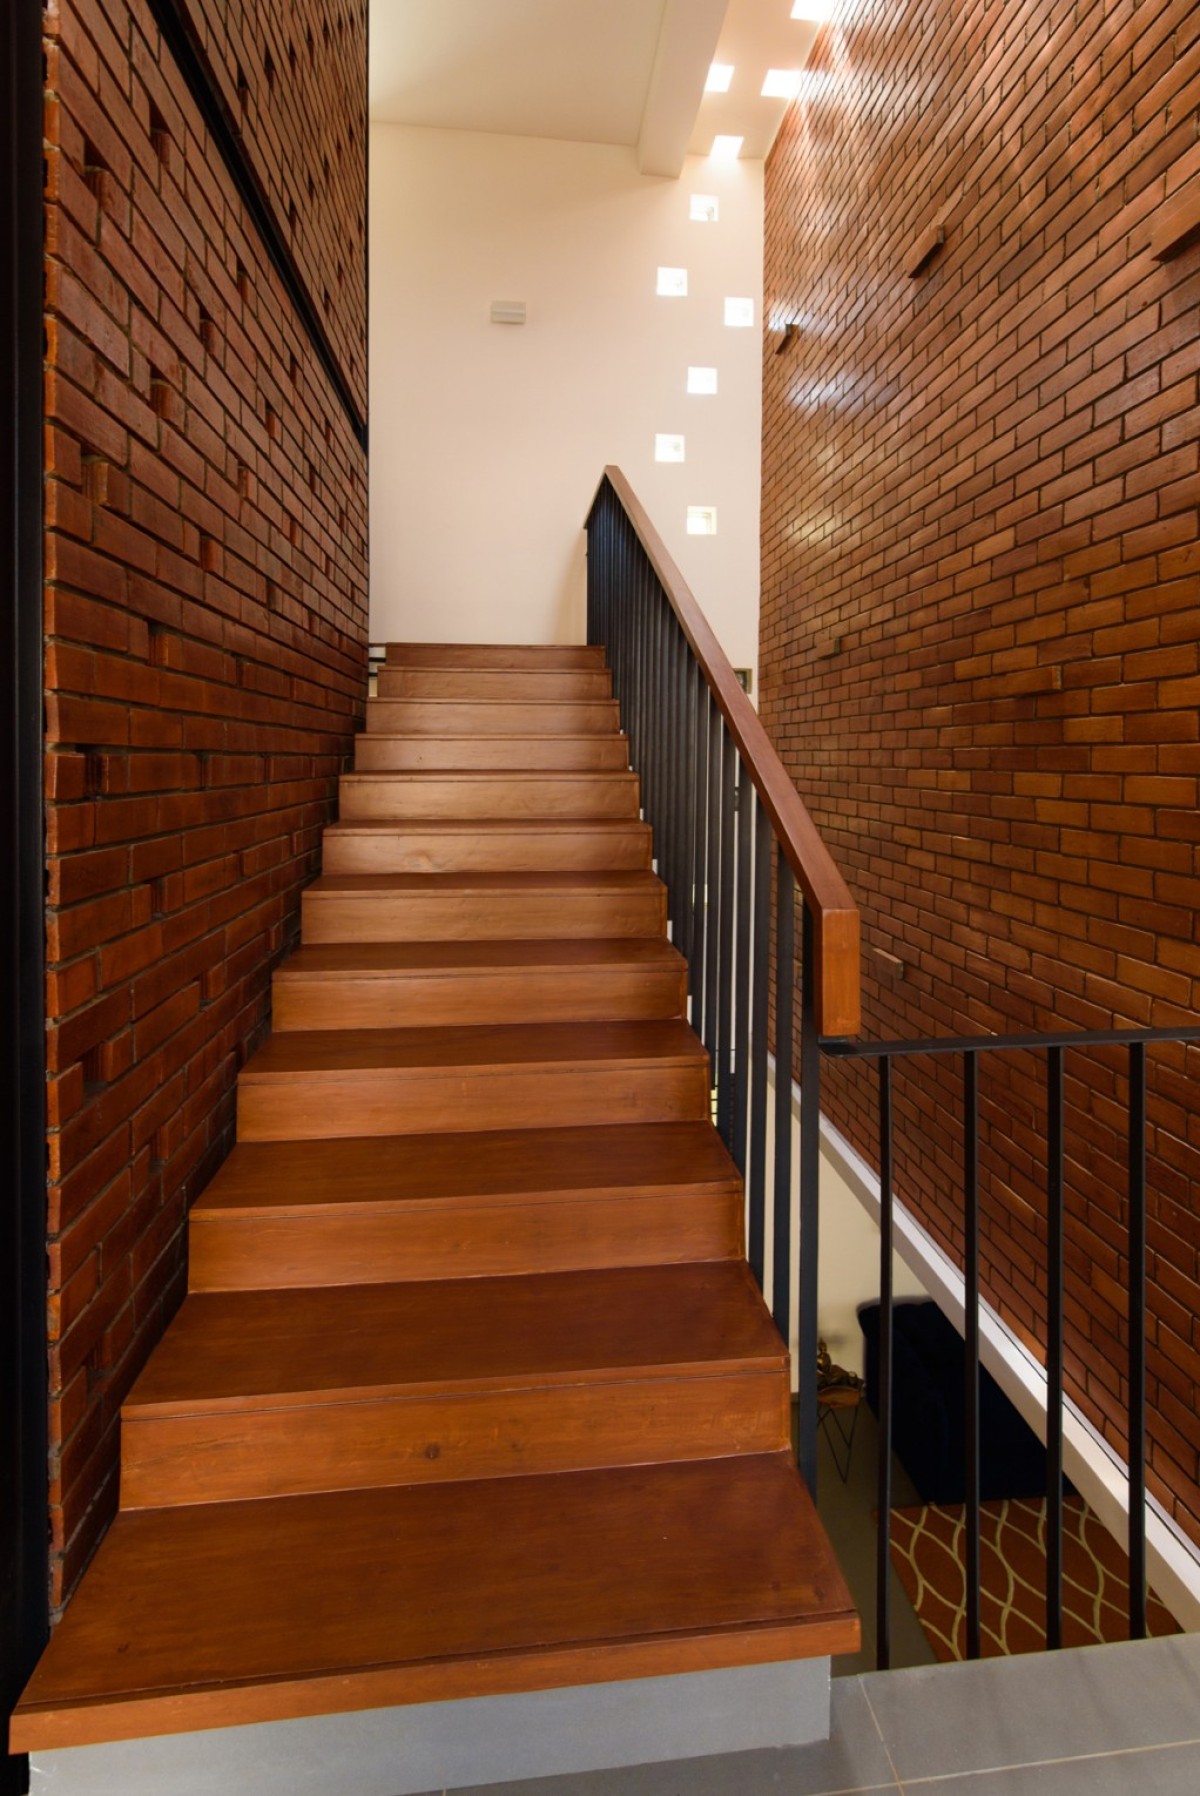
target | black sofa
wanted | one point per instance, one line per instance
(929, 1411)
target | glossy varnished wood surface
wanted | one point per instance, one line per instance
(281, 1214)
(548, 1047)
(491, 654)
(502, 1236)
(336, 960)
(488, 795)
(482, 906)
(518, 845)
(243, 1349)
(508, 684)
(650, 1415)
(260, 1394)
(483, 717)
(380, 985)
(247, 1611)
(473, 1391)
(375, 752)
(556, 1164)
(396, 1098)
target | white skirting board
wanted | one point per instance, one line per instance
(451, 1745)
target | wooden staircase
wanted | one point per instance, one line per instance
(472, 1392)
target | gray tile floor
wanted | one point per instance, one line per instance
(1100, 1721)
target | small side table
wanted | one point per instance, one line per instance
(837, 1414)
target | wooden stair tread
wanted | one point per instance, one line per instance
(267, 1348)
(478, 826)
(471, 1047)
(439, 718)
(485, 776)
(336, 960)
(241, 1612)
(346, 885)
(277, 1177)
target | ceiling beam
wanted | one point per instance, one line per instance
(686, 47)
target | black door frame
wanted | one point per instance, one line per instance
(24, 1503)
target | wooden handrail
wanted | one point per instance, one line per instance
(836, 927)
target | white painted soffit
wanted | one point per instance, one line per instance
(575, 70)
(687, 47)
(627, 72)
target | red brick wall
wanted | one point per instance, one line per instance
(205, 662)
(981, 614)
(291, 76)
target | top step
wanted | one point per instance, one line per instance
(492, 655)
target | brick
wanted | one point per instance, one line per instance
(1009, 553)
(185, 718)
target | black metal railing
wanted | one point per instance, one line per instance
(740, 856)
(971, 1051)
(736, 849)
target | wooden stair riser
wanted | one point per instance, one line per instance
(434, 797)
(509, 686)
(435, 754)
(407, 1101)
(462, 1238)
(483, 718)
(523, 994)
(229, 1456)
(492, 655)
(454, 916)
(572, 848)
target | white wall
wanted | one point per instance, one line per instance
(488, 441)
(848, 1257)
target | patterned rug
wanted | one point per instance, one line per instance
(928, 1548)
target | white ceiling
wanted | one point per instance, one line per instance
(577, 69)
(595, 71)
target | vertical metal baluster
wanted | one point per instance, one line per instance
(691, 798)
(712, 882)
(648, 745)
(699, 851)
(807, 1335)
(638, 710)
(747, 805)
(614, 576)
(682, 822)
(971, 1341)
(1055, 1269)
(785, 985)
(1137, 1340)
(764, 843)
(613, 611)
(725, 942)
(662, 736)
(671, 796)
(590, 578)
(883, 1557)
(629, 602)
(650, 781)
(658, 714)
